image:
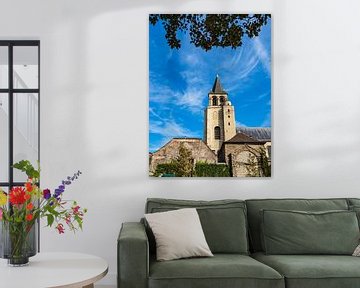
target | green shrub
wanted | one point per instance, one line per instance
(211, 170)
(166, 168)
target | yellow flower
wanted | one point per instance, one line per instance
(3, 198)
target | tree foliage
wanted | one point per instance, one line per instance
(184, 162)
(264, 164)
(181, 166)
(252, 166)
(210, 30)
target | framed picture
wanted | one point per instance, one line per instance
(210, 95)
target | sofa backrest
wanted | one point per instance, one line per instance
(353, 202)
(223, 221)
(256, 205)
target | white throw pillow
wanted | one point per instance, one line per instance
(357, 251)
(178, 234)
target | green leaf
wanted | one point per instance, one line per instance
(28, 168)
(50, 219)
(52, 211)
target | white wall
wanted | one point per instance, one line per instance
(94, 60)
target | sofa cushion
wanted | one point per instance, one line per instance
(223, 221)
(178, 234)
(356, 209)
(354, 205)
(313, 271)
(297, 232)
(254, 207)
(222, 270)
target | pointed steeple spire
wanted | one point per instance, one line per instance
(217, 88)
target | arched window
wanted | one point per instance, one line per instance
(222, 100)
(217, 132)
(214, 101)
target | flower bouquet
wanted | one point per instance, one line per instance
(21, 208)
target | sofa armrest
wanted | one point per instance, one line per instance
(133, 256)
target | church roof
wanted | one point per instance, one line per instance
(258, 133)
(217, 87)
(243, 138)
(187, 138)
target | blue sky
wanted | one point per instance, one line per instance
(180, 80)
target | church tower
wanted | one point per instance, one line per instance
(219, 117)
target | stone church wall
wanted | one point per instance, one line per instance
(200, 152)
(238, 156)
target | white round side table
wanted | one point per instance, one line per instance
(50, 270)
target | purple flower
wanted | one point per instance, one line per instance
(68, 181)
(58, 192)
(46, 194)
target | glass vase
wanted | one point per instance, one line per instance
(18, 242)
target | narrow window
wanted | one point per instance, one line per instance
(217, 132)
(214, 101)
(19, 109)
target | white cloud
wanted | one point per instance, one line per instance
(247, 58)
(240, 124)
(263, 95)
(194, 94)
(244, 62)
(192, 100)
(262, 54)
(192, 77)
(192, 59)
(170, 128)
(162, 94)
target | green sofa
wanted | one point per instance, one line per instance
(234, 232)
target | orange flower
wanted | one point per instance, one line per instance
(29, 187)
(29, 217)
(27, 196)
(29, 206)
